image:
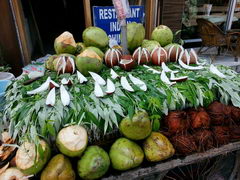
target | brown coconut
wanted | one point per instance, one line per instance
(141, 56)
(219, 113)
(127, 63)
(221, 134)
(199, 118)
(193, 57)
(112, 57)
(158, 56)
(177, 121)
(185, 57)
(204, 139)
(184, 144)
(174, 53)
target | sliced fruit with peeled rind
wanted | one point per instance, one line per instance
(81, 77)
(43, 87)
(114, 75)
(138, 82)
(125, 84)
(65, 97)
(185, 66)
(97, 78)
(215, 71)
(110, 87)
(165, 79)
(178, 79)
(98, 90)
(51, 97)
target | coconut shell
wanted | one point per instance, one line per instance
(174, 52)
(112, 57)
(184, 56)
(219, 113)
(204, 139)
(199, 118)
(221, 134)
(177, 121)
(184, 144)
(127, 63)
(158, 56)
(141, 56)
(235, 114)
(193, 57)
(235, 133)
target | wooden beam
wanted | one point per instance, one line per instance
(9, 45)
(18, 17)
(150, 17)
(87, 13)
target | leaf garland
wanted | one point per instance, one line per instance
(28, 116)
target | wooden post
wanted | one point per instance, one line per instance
(87, 13)
(150, 17)
(18, 17)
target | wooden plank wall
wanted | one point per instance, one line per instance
(8, 38)
(172, 14)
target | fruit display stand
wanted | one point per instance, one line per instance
(96, 109)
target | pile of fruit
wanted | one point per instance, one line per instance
(91, 90)
(198, 130)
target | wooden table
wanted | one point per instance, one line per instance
(215, 18)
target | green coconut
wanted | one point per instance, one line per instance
(156, 125)
(28, 159)
(96, 50)
(87, 61)
(135, 35)
(157, 147)
(163, 35)
(94, 163)
(80, 47)
(72, 140)
(95, 36)
(150, 44)
(58, 168)
(137, 128)
(125, 154)
(65, 43)
(167, 47)
(49, 62)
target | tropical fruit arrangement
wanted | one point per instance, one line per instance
(158, 102)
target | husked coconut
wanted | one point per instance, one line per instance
(64, 64)
(159, 55)
(127, 63)
(28, 159)
(13, 174)
(185, 57)
(141, 56)
(112, 57)
(72, 140)
(174, 51)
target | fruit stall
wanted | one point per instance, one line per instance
(95, 112)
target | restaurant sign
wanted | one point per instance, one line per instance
(105, 17)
